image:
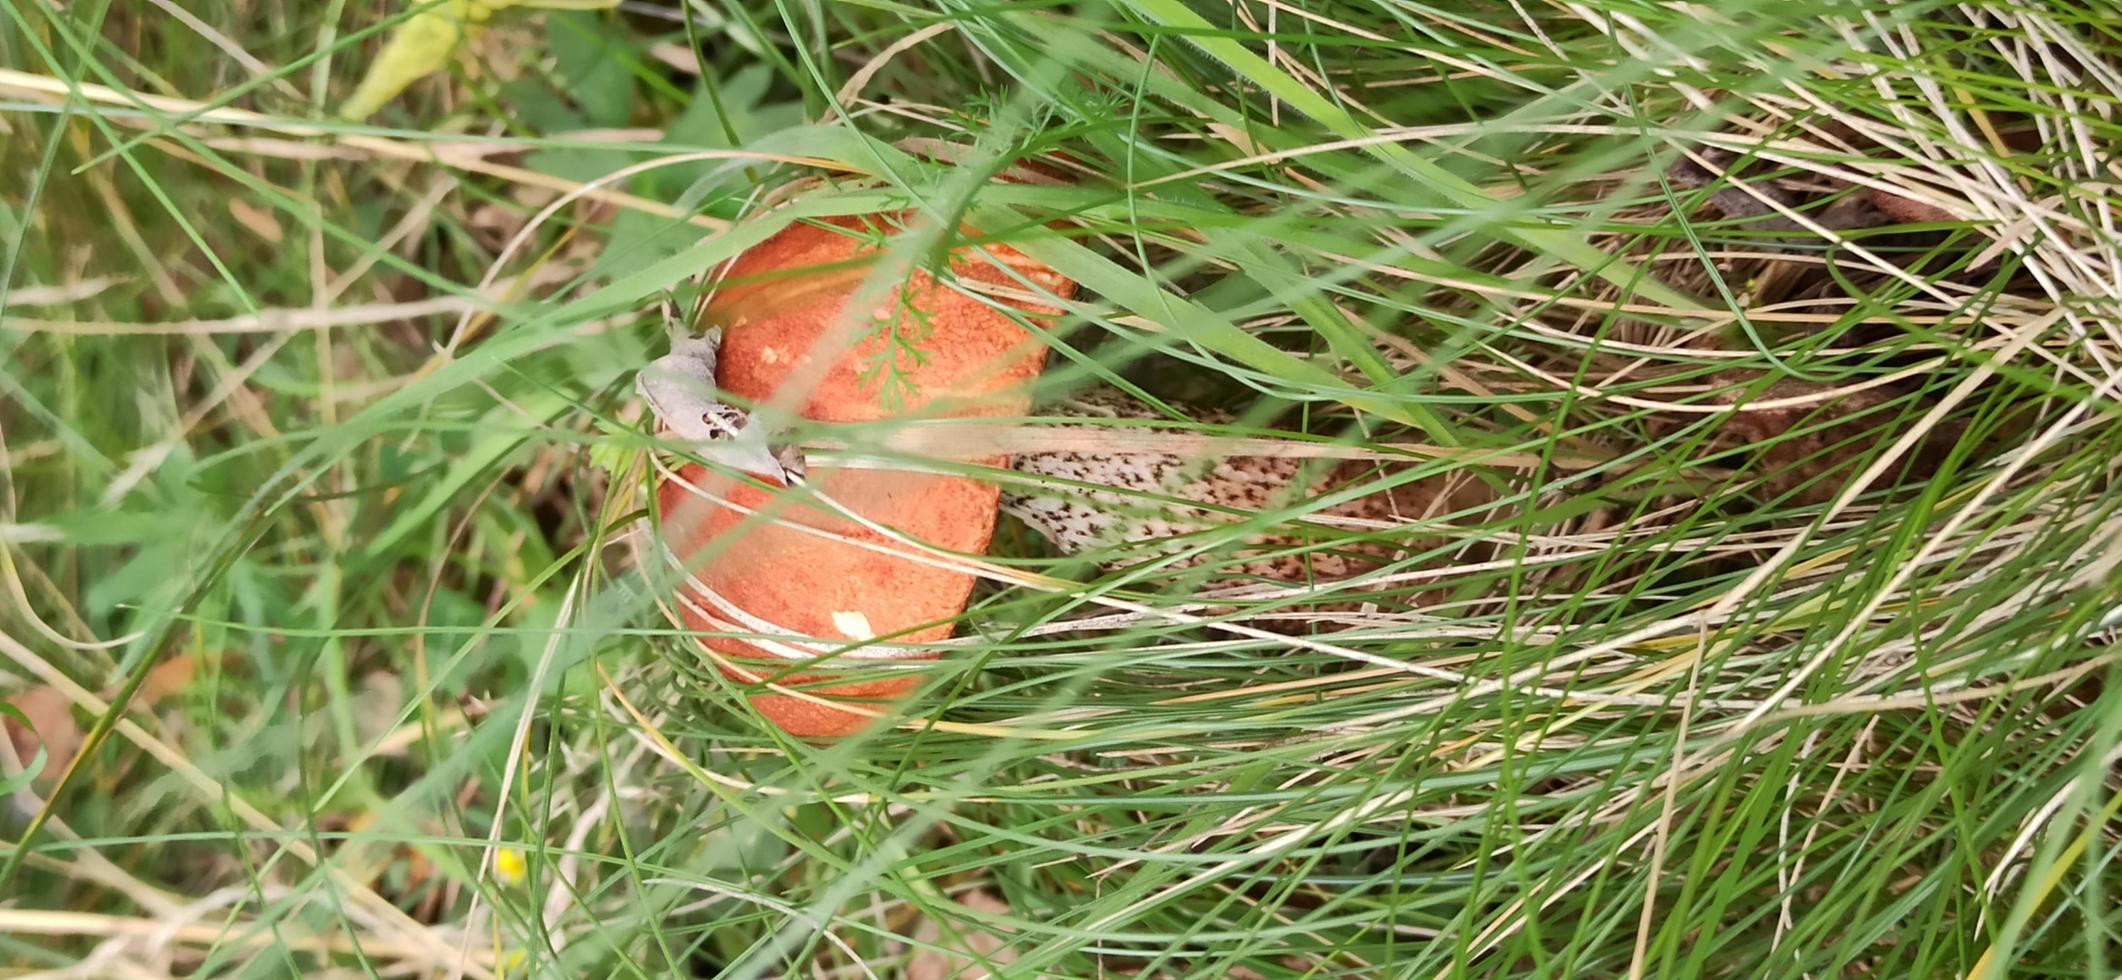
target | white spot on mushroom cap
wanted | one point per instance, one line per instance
(854, 625)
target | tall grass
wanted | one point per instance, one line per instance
(320, 460)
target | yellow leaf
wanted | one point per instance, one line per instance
(420, 47)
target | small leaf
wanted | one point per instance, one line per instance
(33, 767)
(638, 239)
(531, 103)
(613, 456)
(591, 57)
(580, 166)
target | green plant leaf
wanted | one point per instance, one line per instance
(591, 54)
(32, 767)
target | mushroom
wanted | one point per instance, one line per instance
(777, 576)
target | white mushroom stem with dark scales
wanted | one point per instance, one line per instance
(1151, 492)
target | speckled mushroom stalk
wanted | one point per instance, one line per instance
(822, 581)
(1231, 487)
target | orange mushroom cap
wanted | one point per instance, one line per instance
(813, 573)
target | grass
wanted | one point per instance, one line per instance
(320, 456)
